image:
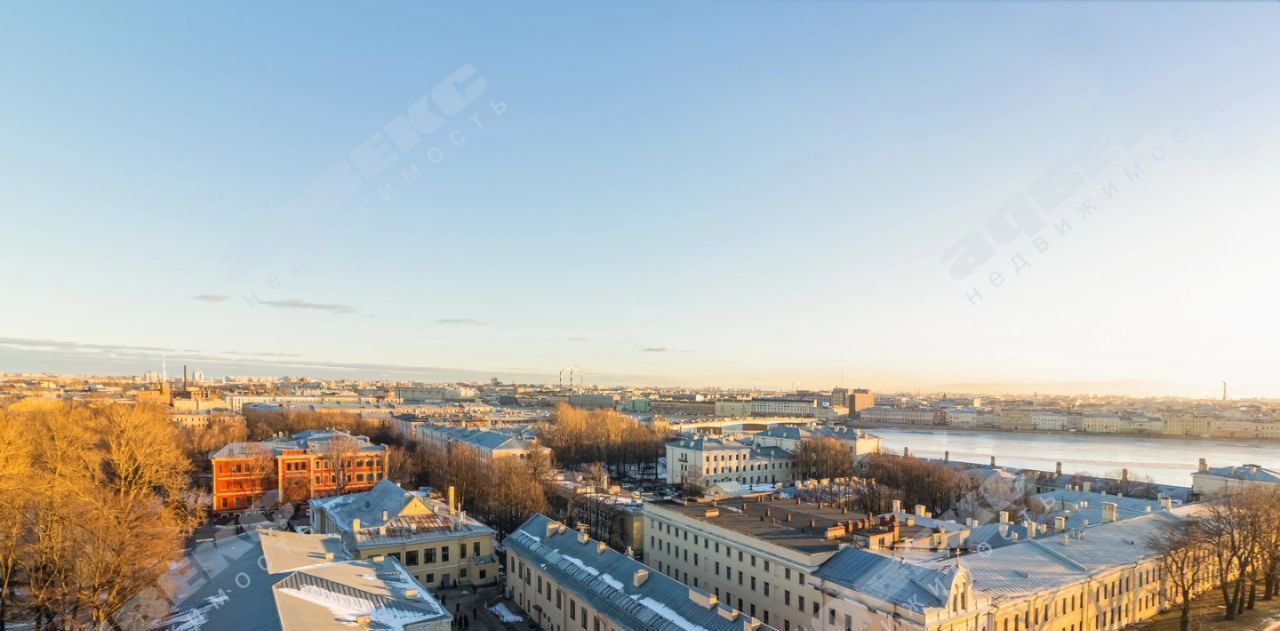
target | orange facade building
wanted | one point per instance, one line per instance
(286, 469)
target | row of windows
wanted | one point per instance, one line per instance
(428, 556)
(576, 613)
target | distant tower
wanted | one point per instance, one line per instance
(1224, 391)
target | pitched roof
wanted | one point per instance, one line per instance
(606, 579)
(1249, 472)
(1036, 564)
(312, 439)
(280, 581)
(889, 579)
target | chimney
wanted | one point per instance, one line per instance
(184, 377)
(328, 556)
(1004, 516)
(1124, 475)
(582, 536)
(1058, 469)
(920, 510)
(639, 577)
(355, 525)
(411, 593)
(452, 506)
(993, 461)
(1087, 487)
(1108, 512)
(384, 515)
(601, 547)
(946, 456)
(906, 452)
(1166, 503)
(1204, 465)
(1059, 523)
(897, 506)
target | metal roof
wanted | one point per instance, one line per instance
(605, 578)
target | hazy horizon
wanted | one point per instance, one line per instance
(735, 195)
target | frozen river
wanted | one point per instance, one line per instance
(1166, 460)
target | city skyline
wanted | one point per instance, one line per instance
(752, 198)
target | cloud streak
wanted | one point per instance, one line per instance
(463, 321)
(210, 297)
(664, 349)
(295, 303)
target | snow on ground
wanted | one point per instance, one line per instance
(500, 610)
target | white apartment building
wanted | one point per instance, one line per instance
(1208, 482)
(789, 437)
(709, 460)
(902, 416)
(783, 406)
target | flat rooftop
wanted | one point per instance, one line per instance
(803, 527)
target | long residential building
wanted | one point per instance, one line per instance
(309, 464)
(789, 438)
(439, 544)
(805, 567)
(707, 460)
(566, 581)
(489, 444)
(1210, 481)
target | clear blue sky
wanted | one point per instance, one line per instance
(753, 194)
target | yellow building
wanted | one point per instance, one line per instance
(440, 545)
(566, 581)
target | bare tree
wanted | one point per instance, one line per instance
(1181, 549)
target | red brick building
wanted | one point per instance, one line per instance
(313, 463)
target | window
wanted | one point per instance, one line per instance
(475, 548)
(429, 556)
(444, 554)
(411, 557)
(431, 578)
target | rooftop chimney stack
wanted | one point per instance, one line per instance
(1108, 512)
(1204, 465)
(1058, 469)
(453, 508)
(993, 461)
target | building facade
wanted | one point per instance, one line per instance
(309, 464)
(566, 581)
(440, 545)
